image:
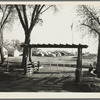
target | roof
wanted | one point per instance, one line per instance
(9, 48)
(5, 47)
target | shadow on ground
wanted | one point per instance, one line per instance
(52, 82)
(88, 74)
(71, 86)
(64, 72)
(16, 83)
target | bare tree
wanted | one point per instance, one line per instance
(5, 18)
(90, 21)
(29, 16)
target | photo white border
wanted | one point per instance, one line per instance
(49, 95)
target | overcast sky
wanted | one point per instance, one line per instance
(56, 28)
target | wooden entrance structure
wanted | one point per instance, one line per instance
(79, 47)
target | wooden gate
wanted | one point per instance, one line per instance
(79, 47)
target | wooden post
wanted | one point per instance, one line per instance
(7, 65)
(38, 65)
(79, 62)
(78, 71)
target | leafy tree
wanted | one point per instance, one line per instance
(29, 16)
(16, 44)
(13, 43)
(90, 22)
(6, 16)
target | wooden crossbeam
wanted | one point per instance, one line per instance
(54, 46)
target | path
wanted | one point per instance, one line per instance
(48, 79)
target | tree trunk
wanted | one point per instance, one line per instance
(98, 59)
(25, 59)
(2, 56)
(26, 53)
(30, 54)
(1, 46)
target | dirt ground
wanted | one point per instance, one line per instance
(48, 79)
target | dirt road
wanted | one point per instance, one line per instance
(48, 79)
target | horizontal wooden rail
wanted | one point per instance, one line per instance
(54, 46)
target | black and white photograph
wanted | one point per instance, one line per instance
(50, 47)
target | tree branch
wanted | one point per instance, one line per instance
(96, 19)
(6, 18)
(46, 9)
(35, 15)
(91, 28)
(3, 15)
(20, 17)
(41, 8)
(25, 16)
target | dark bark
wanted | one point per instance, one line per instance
(1, 47)
(98, 59)
(25, 16)
(30, 55)
(26, 52)
(20, 17)
(2, 56)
